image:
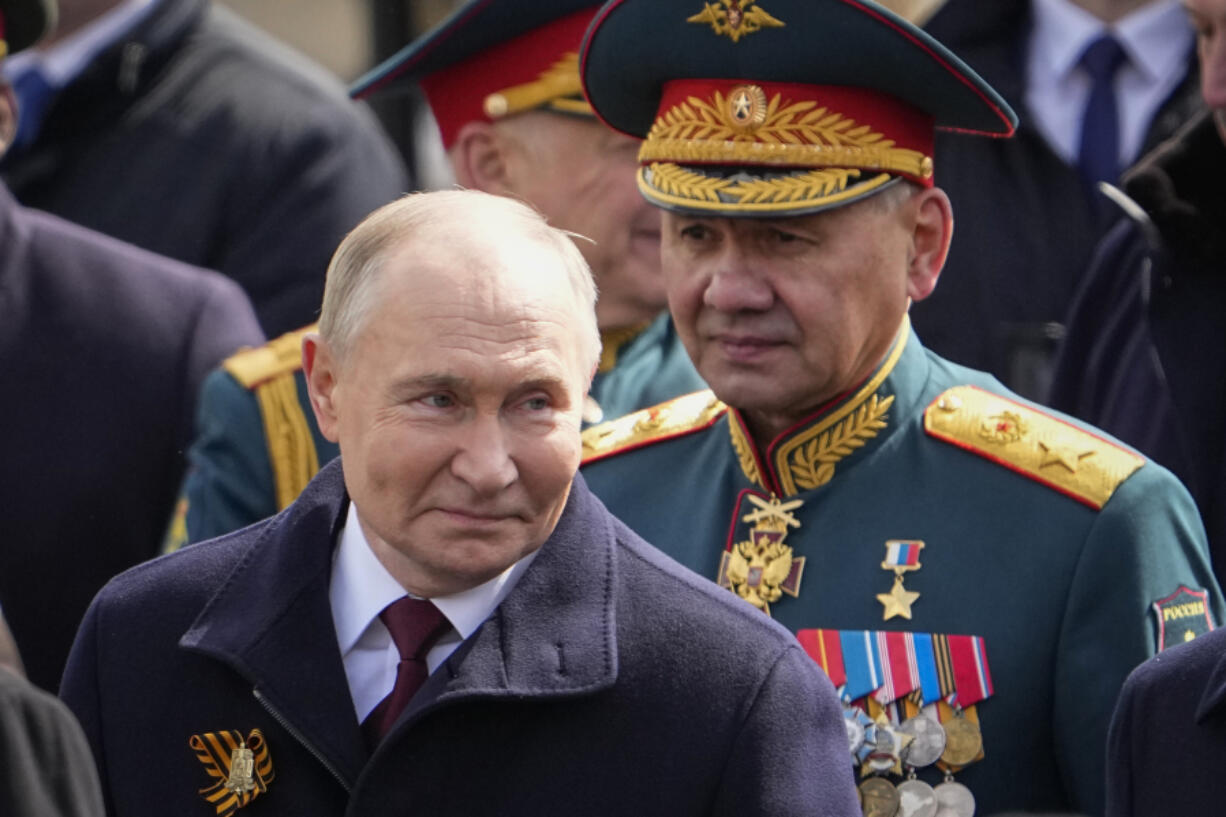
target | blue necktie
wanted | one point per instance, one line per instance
(34, 94)
(1099, 157)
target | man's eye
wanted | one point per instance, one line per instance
(781, 237)
(536, 403)
(439, 401)
(696, 232)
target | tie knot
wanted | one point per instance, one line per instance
(1102, 58)
(415, 624)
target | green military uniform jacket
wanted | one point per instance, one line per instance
(257, 444)
(1050, 541)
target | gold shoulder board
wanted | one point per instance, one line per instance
(1031, 442)
(269, 372)
(672, 418)
(283, 355)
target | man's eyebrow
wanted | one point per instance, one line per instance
(428, 382)
(545, 382)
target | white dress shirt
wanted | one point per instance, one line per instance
(1157, 39)
(361, 587)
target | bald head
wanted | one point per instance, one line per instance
(460, 241)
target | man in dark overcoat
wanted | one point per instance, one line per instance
(446, 621)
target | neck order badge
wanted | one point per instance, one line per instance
(762, 568)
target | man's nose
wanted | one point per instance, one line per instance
(483, 459)
(736, 287)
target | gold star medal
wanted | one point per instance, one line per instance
(901, 556)
(761, 569)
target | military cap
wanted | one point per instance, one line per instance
(778, 107)
(491, 59)
(23, 23)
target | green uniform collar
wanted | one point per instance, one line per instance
(834, 438)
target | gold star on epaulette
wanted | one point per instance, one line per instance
(1028, 440)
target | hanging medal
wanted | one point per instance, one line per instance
(762, 568)
(927, 741)
(901, 556)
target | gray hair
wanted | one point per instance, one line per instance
(352, 286)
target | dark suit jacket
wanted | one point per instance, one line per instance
(609, 681)
(201, 138)
(1025, 224)
(1168, 736)
(1137, 361)
(102, 350)
(46, 769)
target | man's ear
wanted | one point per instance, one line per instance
(932, 230)
(319, 366)
(479, 159)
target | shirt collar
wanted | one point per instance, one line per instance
(61, 63)
(1060, 34)
(1156, 37)
(361, 587)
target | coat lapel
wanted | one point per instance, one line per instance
(554, 634)
(272, 622)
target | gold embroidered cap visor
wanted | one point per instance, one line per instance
(778, 107)
(491, 59)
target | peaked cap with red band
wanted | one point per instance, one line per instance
(24, 22)
(778, 107)
(491, 59)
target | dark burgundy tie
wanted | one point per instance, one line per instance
(415, 625)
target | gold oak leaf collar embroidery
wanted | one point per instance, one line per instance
(240, 768)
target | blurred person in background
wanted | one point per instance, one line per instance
(104, 347)
(1095, 83)
(176, 126)
(1141, 358)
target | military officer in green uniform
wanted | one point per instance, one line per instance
(976, 573)
(502, 79)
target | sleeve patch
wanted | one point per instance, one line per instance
(1182, 616)
(1032, 443)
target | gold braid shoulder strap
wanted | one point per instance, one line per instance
(270, 373)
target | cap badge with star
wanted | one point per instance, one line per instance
(778, 107)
